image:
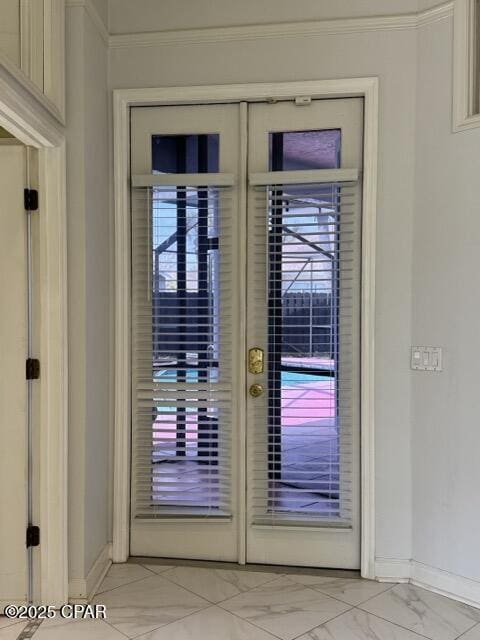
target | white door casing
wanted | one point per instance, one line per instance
(124, 99)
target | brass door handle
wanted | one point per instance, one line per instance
(256, 390)
(255, 360)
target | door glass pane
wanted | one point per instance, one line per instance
(304, 253)
(185, 153)
(304, 150)
(185, 327)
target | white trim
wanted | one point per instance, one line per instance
(31, 40)
(434, 14)
(34, 120)
(123, 99)
(42, 44)
(392, 569)
(82, 590)
(54, 381)
(241, 374)
(54, 53)
(121, 447)
(463, 43)
(422, 575)
(445, 583)
(337, 26)
(94, 16)
(184, 179)
(25, 111)
(367, 338)
(312, 176)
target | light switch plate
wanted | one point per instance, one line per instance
(426, 359)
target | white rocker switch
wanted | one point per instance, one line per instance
(426, 359)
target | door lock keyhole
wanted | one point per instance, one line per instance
(256, 390)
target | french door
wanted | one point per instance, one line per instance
(246, 226)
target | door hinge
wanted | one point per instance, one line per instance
(30, 198)
(33, 536)
(32, 369)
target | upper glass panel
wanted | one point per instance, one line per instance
(185, 153)
(304, 150)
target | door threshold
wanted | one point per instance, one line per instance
(267, 568)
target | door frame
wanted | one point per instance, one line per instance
(123, 100)
(36, 121)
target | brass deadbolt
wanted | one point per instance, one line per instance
(256, 390)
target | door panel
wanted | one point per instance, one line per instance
(184, 323)
(13, 387)
(303, 301)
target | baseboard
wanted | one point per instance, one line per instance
(422, 575)
(392, 569)
(81, 590)
(446, 584)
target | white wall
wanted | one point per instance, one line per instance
(10, 30)
(89, 237)
(151, 15)
(446, 406)
(101, 7)
(391, 55)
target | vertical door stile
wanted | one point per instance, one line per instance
(240, 389)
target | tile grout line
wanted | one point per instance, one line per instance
(406, 628)
(115, 629)
(319, 626)
(112, 626)
(156, 573)
(229, 597)
(270, 632)
(375, 615)
(164, 626)
(12, 621)
(477, 624)
(100, 593)
(210, 604)
(355, 606)
(420, 636)
(348, 604)
(274, 635)
(30, 629)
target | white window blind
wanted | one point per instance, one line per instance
(307, 236)
(181, 346)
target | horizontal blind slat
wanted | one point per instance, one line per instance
(182, 345)
(306, 239)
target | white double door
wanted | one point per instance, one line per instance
(246, 237)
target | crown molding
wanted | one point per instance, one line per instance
(94, 16)
(341, 26)
(440, 12)
(25, 111)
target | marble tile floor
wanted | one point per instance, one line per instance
(149, 600)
